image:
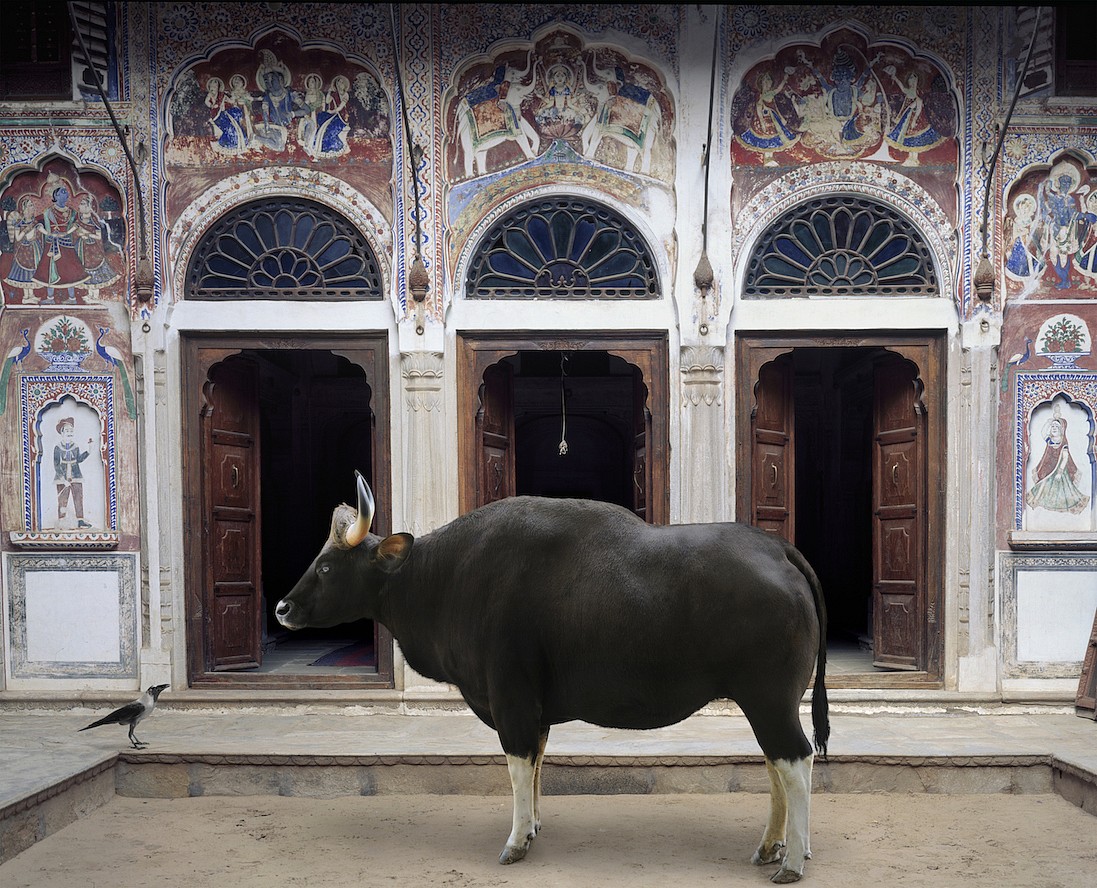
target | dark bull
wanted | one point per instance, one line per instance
(544, 611)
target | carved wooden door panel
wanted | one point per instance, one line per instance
(641, 447)
(495, 435)
(772, 448)
(233, 595)
(1086, 699)
(898, 518)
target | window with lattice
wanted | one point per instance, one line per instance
(562, 248)
(840, 246)
(284, 248)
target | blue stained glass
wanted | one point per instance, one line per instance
(293, 249)
(562, 247)
(840, 244)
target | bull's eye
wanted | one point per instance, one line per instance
(324, 568)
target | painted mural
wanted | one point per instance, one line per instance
(844, 99)
(279, 103)
(559, 99)
(1051, 232)
(63, 238)
(1052, 388)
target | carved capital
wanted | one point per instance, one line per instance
(702, 375)
(422, 374)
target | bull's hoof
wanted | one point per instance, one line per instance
(770, 854)
(784, 876)
(512, 855)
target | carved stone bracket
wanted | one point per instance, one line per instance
(422, 373)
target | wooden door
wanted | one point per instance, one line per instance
(1086, 699)
(495, 435)
(232, 593)
(898, 518)
(772, 451)
(641, 445)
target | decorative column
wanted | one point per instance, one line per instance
(703, 447)
(977, 653)
(422, 466)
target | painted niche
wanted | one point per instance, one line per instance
(279, 102)
(63, 237)
(555, 100)
(844, 99)
(69, 479)
(1059, 467)
(1051, 226)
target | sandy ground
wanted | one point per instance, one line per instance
(670, 841)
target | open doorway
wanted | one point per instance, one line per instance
(843, 458)
(565, 417)
(281, 432)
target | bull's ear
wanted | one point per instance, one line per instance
(392, 551)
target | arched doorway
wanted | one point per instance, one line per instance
(274, 427)
(845, 458)
(604, 396)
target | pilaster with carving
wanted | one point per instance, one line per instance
(703, 447)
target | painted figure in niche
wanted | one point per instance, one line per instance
(1086, 260)
(1023, 260)
(1057, 474)
(775, 122)
(27, 236)
(96, 248)
(60, 266)
(68, 477)
(1061, 216)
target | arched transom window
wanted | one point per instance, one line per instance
(284, 248)
(840, 246)
(562, 247)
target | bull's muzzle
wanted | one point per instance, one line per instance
(283, 611)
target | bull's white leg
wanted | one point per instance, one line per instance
(522, 778)
(795, 774)
(537, 782)
(773, 839)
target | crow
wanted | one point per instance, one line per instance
(132, 713)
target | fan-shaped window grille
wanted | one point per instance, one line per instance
(286, 248)
(562, 248)
(840, 246)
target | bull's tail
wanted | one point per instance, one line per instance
(820, 708)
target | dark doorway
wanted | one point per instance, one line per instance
(833, 397)
(842, 454)
(279, 434)
(566, 416)
(573, 425)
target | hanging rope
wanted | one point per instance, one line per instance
(563, 407)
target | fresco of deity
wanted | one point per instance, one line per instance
(1023, 259)
(1057, 475)
(279, 105)
(835, 119)
(60, 266)
(27, 236)
(1061, 216)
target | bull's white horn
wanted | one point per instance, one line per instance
(357, 531)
